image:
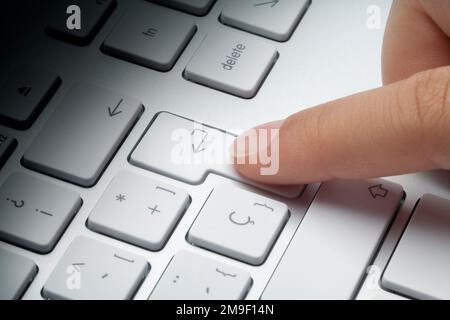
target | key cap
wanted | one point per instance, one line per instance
(92, 270)
(188, 151)
(151, 36)
(271, 19)
(85, 131)
(34, 213)
(231, 62)
(197, 7)
(244, 229)
(139, 210)
(420, 264)
(78, 21)
(190, 276)
(7, 146)
(16, 273)
(336, 241)
(24, 94)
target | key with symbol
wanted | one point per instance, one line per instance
(92, 270)
(85, 131)
(187, 150)
(34, 213)
(24, 94)
(273, 19)
(139, 210)
(326, 261)
(191, 276)
(242, 229)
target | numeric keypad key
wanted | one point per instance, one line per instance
(139, 210)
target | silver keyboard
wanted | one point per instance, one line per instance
(94, 206)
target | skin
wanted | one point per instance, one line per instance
(401, 127)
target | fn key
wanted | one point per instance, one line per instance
(83, 134)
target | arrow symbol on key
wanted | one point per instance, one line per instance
(198, 137)
(115, 111)
(378, 191)
(273, 3)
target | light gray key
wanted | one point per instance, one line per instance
(93, 13)
(92, 270)
(139, 210)
(16, 273)
(7, 146)
(151, 36)
(85, 131)
(197, 7)
(34, 213)
(245, 228)
(188, 151)
(24, 94)
(419, 267)
(272, 19)
(192, 277)
(232, 62)
(336, 241)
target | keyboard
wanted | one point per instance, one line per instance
(114, 137)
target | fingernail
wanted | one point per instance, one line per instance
(240, 148)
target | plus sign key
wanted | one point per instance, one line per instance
(139, 210)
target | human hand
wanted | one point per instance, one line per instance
(401, 127)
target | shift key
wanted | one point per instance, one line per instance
(83, 134)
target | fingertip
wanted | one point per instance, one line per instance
(252, 152)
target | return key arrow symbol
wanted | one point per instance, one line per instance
(115, 112)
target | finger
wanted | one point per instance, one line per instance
(416, 38)
(396, 129)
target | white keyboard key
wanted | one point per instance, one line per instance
(92, 270)
(139, 210)
(7, 146)
(186, 150)
(245, 228)
(93, 14)
(16, 273)
(197, 7)
(84, 132)
(34, 213)
(24, 94)
(419, 267)
(151, 36)
(231, 62)
(192, 277)
(271, 19)
(336, 241)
